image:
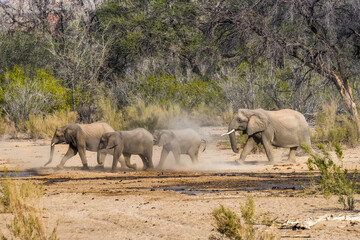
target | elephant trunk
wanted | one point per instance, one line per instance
(51, 152)
(98, 157)
(233, 140)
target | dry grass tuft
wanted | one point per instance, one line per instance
(21, 199)
(334, 128)
(44, 127)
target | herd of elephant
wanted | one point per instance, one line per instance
(284, 128)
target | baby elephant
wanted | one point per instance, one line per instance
(184, 141)
(137, 141)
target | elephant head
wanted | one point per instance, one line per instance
(248, 121)
(162, 137)
(108, 140)
(66, 134)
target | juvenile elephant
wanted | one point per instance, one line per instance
(184, 141)
(80, 137)
(138, 141)
(284, 128)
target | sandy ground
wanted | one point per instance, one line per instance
(176, 202)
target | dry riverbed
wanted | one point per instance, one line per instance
(176, 202)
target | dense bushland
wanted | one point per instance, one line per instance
(144, 63)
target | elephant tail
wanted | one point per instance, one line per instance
(204, 142)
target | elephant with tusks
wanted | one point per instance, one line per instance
(284, 128)
(80, 137)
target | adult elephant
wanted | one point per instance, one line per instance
(138, 141)
(80, 137)
(182, 141)
(284, 128)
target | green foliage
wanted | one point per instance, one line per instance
(334, 128)
(149, 29)
(24, 49)
(228, 223)
(232, 226)
(166, 90)
(22, 95)
(334, 179)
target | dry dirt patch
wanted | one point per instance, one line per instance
(178, 203)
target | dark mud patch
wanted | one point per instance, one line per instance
(249, 186)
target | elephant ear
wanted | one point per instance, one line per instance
(113, 140)
(257, 123)
(165, 137)
(71, 134)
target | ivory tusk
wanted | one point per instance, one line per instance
(228, 132)
(52, 144)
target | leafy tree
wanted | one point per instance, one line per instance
(24, 49)
(167, 90)
(320, 36)
(153, 36)
(80, 60)
(22, 94)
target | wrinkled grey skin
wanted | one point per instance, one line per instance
(80, 137)
(284, 128)
(184, 141)
(138, 141)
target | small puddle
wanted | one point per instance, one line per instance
(18, 174)
(186, 190)
(191, 190)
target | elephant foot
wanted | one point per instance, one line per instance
(114, 170)
(99, 167)
(291, 160)
(239, 162)
(59, 166)
(85, 167)
(145, 168)
(159, 167)
(270, 163)
(134, 167)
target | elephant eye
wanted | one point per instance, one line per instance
(239, 120)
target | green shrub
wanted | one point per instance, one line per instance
(234, 227)
(166, 90)
(228, 223)
(22, 94)
(334, 179)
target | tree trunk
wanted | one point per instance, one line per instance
(347, 96)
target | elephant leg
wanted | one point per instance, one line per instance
(268, 150)
(177, 156)
(145, 161)
(117, 154)
(148, 156)
(122, 162)
(250, 144)
(81, 151)
(164, 154)
(127, 161)
(292, 155)
(194, 154)
(72, 151)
